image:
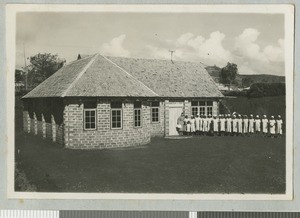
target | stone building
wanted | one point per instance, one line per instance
(102, 102)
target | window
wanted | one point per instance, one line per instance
(137, 114)
(202, 110)
(202, 107)
(116, 115)
(209, 110)
(90, 119)
(209, 103)
(155, 112)
(194, 111)
(90, 115)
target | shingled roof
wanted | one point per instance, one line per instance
(171, 79)
(98, 75)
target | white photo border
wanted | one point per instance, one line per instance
(286, 9)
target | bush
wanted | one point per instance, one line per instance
(243, 93)
(266, 89)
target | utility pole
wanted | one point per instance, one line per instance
(171, 53)
(26, 86)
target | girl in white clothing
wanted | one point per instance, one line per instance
(228, 124)
(197, 124)
(257, 125)
(188, 127)
(245, 127)
(279, 123)
(240, 124)
(272, 126)
(204, 125)
(234, 125)
(265, 125)
(193, 127)
(215, 125)
(251, 124)
(222, 125)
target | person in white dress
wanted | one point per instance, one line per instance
(251, 124)
(188, 127)
(215, 125)
(201, 124)
(185, 121)
(197, 124)
(279, 123)
(245, 126)
(265, 123)
(209, 124)
(225, 118)
(234, 125)
(204, 125)
(222, 124)
(229, 125)
(193, 125)
(240, 124)
(257, 124)
(272, 124)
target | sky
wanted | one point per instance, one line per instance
(255, 42)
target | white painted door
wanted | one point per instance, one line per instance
(174, 114)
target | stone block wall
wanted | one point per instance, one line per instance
(158, 128)
(76, 137)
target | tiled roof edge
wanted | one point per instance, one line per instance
(79, 76)
(130, 75)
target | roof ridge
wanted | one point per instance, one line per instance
(129, 74)
(71, 62)
(79, 75)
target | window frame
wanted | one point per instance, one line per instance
(195, 107)
(84, 119)
(204, 105)
(207, 107)
(158, 112)
(111, 116)
(134, 110)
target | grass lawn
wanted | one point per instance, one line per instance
(194, 165)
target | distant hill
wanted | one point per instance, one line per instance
(213, 71)
(249, 79)
(263, 78)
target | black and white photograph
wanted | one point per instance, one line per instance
(181, 101)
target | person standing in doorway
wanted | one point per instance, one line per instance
(180, 124)
(185, 122)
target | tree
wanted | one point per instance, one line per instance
(228, 74)
(41, 67)
(246, 82)
(19, 76)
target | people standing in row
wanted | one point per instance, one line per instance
(229, 125)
